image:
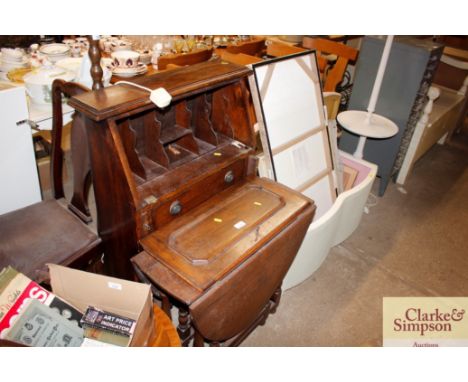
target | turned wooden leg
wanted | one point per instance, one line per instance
(276, 299)
(166, 305)
(184, 325)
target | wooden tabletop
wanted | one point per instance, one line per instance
(239, 58)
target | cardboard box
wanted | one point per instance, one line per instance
(126, 298)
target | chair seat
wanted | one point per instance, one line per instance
(24, 246)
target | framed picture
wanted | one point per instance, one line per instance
(349, 177)
(292, 125)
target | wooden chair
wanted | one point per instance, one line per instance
(183, 59)
(345, 54)
(278, 49)
(255, 47)
(50, 231)
(239, 58)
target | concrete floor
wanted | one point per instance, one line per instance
(410, 244)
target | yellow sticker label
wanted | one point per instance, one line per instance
(257, 203)
(217, 154)
(218, 220)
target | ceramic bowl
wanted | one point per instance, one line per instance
(55, 52)
(125, 59)
(71, 64)
(69, 41)
(145, 56)
(39, 83)
(82, 40)
(120, 45)
(12, 55)
(74, 64)
(76, 49)
(6, 66)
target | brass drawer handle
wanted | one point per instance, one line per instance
(229, 177)
(175, 208)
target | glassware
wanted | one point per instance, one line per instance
(190, 43)
(167, 42)
(179, 44)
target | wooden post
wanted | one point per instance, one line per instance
(432, 94)
(95, 57)
(184, 326)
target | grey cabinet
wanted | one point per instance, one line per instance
(408, 76)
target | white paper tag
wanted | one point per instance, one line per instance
(113, 285)
(240, 224)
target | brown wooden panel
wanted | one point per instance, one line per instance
(183, 114)
(180, 83)
(182, 59)
(202, 126)
(194, 240)
(165, 279)
(203, 166)
(203, 275)
(278, 49)
(197, 192)
(240, 58)
(154, 150)
(230, 113)
(233, 303)
(129, 139)
(116, 205)
(254, 47)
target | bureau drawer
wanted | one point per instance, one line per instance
(195, 193)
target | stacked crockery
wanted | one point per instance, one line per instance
(121, 44)
(105, 43)
(55, 52)
(13, 59)
(125, 63)
(39, 83)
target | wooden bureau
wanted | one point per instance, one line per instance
(178, 187)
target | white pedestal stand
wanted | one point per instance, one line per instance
(367, 124)
(358, 122)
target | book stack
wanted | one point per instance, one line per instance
(107, 327)
(33, 316)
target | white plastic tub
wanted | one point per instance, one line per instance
(334, 226)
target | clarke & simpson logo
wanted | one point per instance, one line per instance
(425, 321)
(416, 320)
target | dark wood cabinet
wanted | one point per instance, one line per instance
(178, 185)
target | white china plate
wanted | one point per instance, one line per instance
(54, 49)
(130, 72)
(24, 60)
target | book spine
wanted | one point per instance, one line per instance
(16, 295)
(112, 328)
(6, 275)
